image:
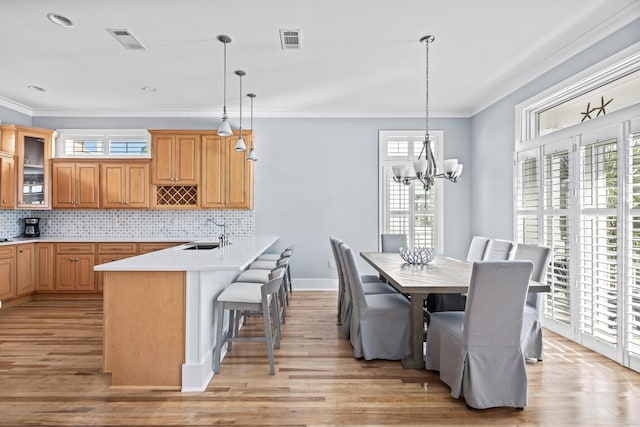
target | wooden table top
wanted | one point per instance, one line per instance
(442, 275)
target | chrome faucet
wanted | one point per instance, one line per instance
(224, 241)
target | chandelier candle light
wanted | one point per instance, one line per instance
(252, 154)
(424, 168)
(225, 128)
(240, 145)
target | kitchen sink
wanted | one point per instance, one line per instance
(202, 246)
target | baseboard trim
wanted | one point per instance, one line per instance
(314, 284)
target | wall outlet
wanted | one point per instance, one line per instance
(47, 222)
(331, 264)
(114, 221)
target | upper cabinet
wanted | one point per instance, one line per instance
(176, 157)
(75, 185)
(7, 182)
(125, 185)
(32, 150)
(227, 176)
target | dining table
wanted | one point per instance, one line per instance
(443, 275)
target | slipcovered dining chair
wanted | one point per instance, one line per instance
(393, 242)
(478, 351)
(372, 285)
(457, 302)
(499, 250)
(380, 323)
(240, 297)
(531, 326)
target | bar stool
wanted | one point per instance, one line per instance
(246, 296)
(261, 272)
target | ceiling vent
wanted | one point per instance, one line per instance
(127, 39)
(290, 39)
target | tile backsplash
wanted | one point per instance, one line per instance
(130, 223)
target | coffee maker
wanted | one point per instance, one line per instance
(31, 227)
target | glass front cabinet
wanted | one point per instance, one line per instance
(32, 150)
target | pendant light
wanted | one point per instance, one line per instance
(225, 128)
(240, 145)
(424, 168)
(252, 154)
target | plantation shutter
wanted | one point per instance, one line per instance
(632, 276)
(527, 194)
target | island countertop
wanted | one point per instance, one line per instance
(235, 256)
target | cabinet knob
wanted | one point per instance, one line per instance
(4, 201)
(20, 250)
(70, 259)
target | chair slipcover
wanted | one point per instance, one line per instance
(393, 242)
(477, 248)
(531, 326)
(478, 351)
(380, 323)
(499, 250)
(373, 285)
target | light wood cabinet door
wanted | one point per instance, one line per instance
(239, 176)
(7, 182)
(147, 247)
(85, 276)
(212, 183)
(175, 158)
(44, 259)
(25, 269)
(33, 155)
(125, 185)
(75, 185)
(74, 267)
(7, 272)
(187, 159)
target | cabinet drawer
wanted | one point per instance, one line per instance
(8, 251)
(150, 247)
(75, 248)
(117, 248)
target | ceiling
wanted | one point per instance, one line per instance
(359, 58)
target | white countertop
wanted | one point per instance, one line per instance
(108, 239)
(237, 256)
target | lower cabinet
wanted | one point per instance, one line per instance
(45, 259)
(7, 272)
(25, 269)
(74, 267)
(109, 252)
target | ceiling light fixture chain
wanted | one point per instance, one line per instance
(424, 169)
(225, 128)
(252, 154)
(240, 145)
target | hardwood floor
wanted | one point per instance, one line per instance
(50, 374)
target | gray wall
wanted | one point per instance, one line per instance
(493, 134)
(11, 117)
(319, 177)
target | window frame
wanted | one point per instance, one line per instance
(107, 137)
(384, 166)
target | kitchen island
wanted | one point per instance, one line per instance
(159, 320)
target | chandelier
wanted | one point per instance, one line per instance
(424, 168)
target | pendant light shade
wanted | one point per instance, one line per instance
(240, 145)
(252, 154)
(225, 128)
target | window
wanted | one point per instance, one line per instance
(577, 191)
(408, 209)
(126, 143)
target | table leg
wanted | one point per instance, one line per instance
(416, 360)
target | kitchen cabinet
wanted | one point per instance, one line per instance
(74, 267)
(175, 157)
(44, 274)
(7, 272)
(7, 181)
(75, 185)
(125, 185)
(227, 176)
(25, 269)
(109, 252)
(32, 150)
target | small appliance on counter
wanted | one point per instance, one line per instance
(31, 227)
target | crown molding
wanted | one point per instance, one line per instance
(15, 106)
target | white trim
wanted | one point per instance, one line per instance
(15, 106)
(622, 62)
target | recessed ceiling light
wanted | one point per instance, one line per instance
(63, 21)
(148, 88)
(36, 88)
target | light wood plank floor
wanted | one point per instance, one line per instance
(50, 359)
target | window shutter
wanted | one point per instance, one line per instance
(632, 279)
(527, 194)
